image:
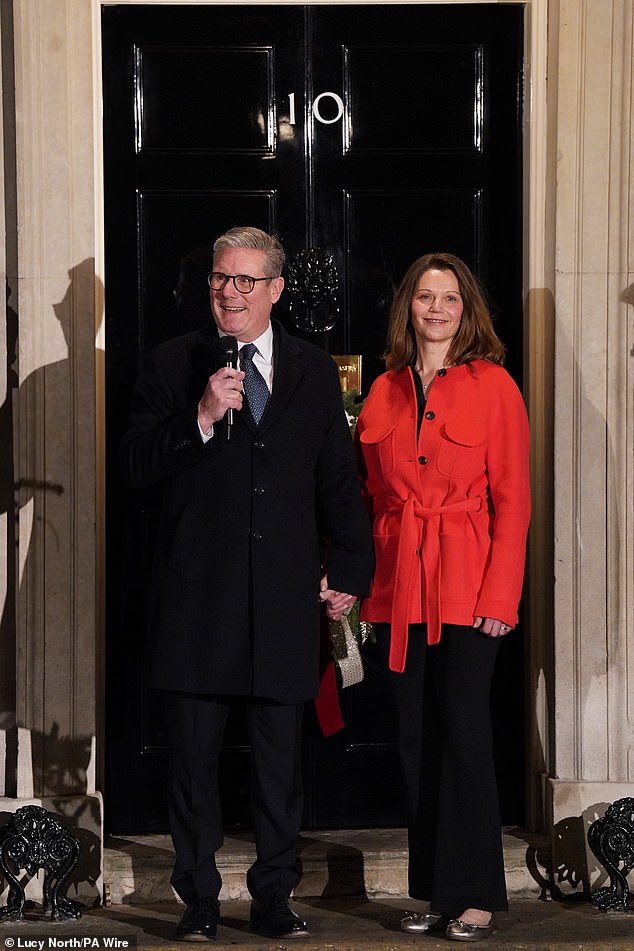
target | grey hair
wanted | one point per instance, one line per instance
(255, 240)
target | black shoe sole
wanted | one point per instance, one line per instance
(300, 933)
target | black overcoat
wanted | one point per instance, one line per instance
(234, 600)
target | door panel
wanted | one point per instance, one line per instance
(358, 130)
(387, 86)
(181, 219)
(179, 108)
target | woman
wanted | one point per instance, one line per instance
(443, 441)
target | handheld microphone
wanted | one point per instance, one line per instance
(229, 349)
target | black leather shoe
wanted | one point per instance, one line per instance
(200, 921)
(273, 917)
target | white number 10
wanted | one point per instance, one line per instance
(316, 112)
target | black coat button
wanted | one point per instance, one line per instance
(259, 490)
(430, 415)
(422, 460)
(442, 372)
(258, 444)
(257, 536)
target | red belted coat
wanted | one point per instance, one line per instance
(450, 508)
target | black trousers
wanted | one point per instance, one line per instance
(196, 726)
(444, 734)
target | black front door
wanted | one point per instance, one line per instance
(374, 133)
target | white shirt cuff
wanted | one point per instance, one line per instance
(205, 436)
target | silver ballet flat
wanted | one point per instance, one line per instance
(421, 924)
(458, 930)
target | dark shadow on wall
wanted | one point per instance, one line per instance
(577, 873)
(570, 863)
(59, 763)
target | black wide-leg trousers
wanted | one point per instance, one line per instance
(444, 734)
(196, 726)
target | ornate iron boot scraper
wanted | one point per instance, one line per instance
(35, 839)
(611, 839)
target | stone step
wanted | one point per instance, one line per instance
(337, 863)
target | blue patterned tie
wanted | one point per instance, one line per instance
(254, 384)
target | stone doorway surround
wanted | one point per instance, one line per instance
(579, 353)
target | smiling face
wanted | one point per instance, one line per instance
(244, 316)
(436, 308)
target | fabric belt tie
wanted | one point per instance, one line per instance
(419, 531)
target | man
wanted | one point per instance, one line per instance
(238, 582)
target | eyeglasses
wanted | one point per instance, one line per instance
(243, 283)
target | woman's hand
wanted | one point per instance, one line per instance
(338, 603)
(491, 626)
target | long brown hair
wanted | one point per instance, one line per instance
(475, 337)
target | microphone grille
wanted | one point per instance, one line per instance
(228, 344)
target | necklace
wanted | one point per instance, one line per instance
(425, 386)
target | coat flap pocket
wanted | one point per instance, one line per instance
(467, 432)
(374, 434)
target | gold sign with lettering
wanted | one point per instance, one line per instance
(349, 371)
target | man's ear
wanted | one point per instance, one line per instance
(277, 286)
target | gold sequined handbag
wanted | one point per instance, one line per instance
(345, 649)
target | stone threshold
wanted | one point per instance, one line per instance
(334, 863)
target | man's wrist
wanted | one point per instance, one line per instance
(205, 424)
(205, 428)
